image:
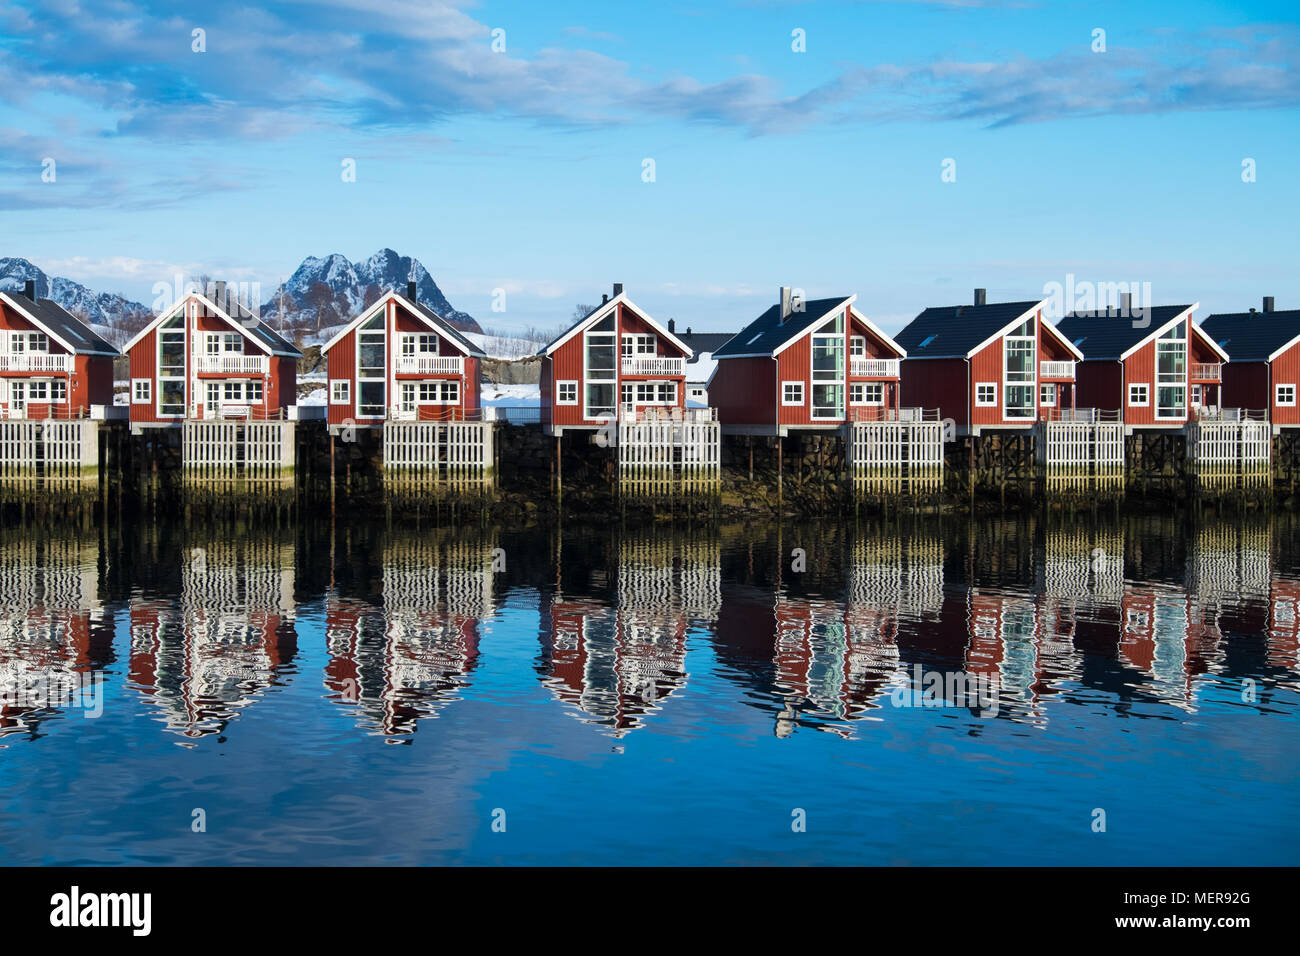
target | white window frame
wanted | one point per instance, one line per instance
(1172, 380)
(340, 391)
(1047, 394)
(141, 391)
(1277, 395)
(986, 402)
(857, 346)
(560, 388)
(834, 340)
(871, 394)
(639, 343)
(798, 386)
(1146, 395)
(1026, 334)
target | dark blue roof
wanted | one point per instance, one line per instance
(952, 331)
(767, 333)
(1252, 336)
(1101, 335)
(64, 325)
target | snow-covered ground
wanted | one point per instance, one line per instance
(316, 397)
(504, 347)
(494, 394)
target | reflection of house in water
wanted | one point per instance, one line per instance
(616, 658)
(407, 655)
(202, 658)
(1283, 629)
(51, 625)
(819, 662)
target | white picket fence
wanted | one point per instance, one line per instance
(218, 451)
(32, 450)
(1081, 454)
(1223, 452)
(905, 456)
(663, 457)
(454, 454)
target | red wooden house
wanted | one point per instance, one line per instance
(1155, 368)
(988, 367)
(51, 364)
(1265, 368)
(400, 360)
(210, 359)
(817, 364)
(614, 362)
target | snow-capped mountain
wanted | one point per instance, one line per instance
(329, 291)
(102, 310)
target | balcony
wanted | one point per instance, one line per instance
(1056, 370)
(34, 362)
(233, 364)
(653, 365)
(1207, 371)
(863, 367)
(668, 414)
(430, 365)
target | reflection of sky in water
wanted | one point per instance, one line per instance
(654, 697)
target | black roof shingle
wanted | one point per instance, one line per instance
(952, 331)
(64, 325)
(1101, 335)
(1252, 336)
(767, 333)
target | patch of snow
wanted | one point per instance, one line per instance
(511, 394)
(503, 347)
(317, 397)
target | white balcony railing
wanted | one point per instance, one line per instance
(430, 365)
(873, 367)
(34, 362)
(233, 364)
(1207, 371)
(668, 414)
(1056, 369)
(653, 365)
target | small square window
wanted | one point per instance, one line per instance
(566, 393)
(1047, 396)
(141, 390)
(340, 391)
(986, 394)
(1286, 395)
(1139, 396)
(792, 393)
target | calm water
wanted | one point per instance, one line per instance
(363, 695)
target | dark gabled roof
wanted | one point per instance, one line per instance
(260, 330)
(1252, 336)
(767, 333)
(952, 331)
(704, 341)
(1100, 335)
(447, 328)
(64, 325)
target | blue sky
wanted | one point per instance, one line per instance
(522, 170)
